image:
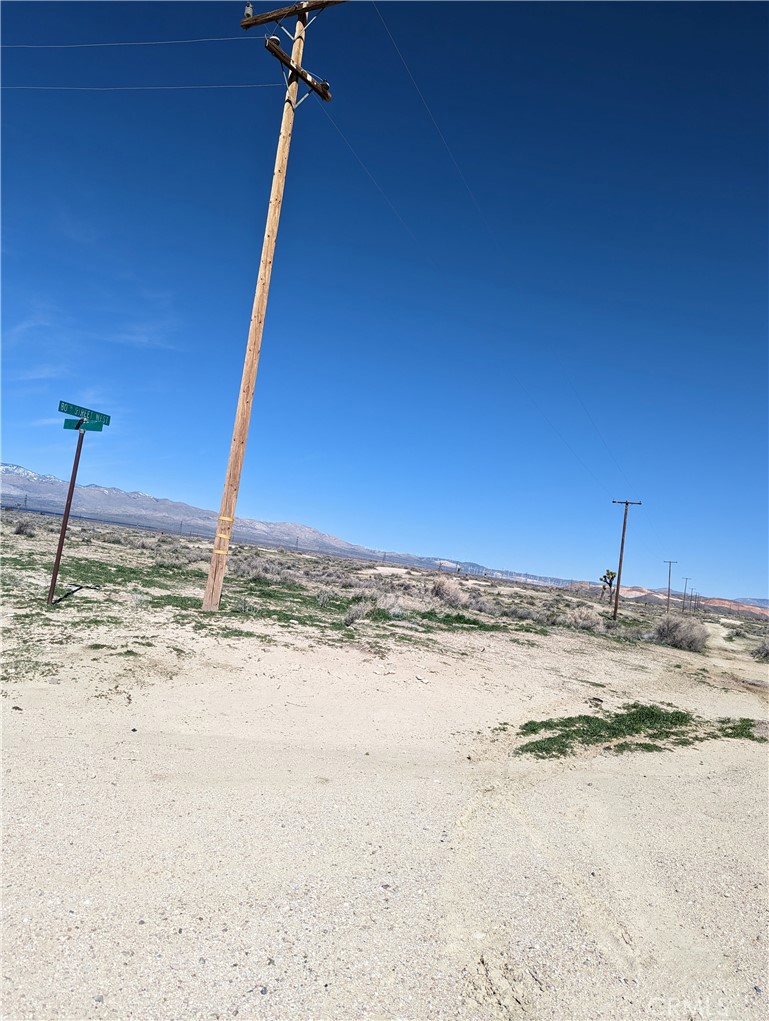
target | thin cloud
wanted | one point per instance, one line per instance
(150, 334)
(76, 228)
(36, 321)
(37, 373)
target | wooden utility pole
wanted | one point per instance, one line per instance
(683, 601)
(670, 568)
(627, 503)
(296, 75)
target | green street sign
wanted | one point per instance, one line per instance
(78, 412)
(79, 423)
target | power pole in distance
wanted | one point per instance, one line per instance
(627, 503)
(670, 568)
(683, 601)
(296, 73)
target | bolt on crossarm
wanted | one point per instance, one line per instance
(627, 503)
(296, 74)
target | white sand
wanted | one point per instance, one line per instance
(300, 830)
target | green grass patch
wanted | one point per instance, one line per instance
(532, 629)
(459, 620)
(741, 729)
(637, 746)
(177, 602)
(611, 731)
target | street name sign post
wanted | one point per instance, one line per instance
(85, 420)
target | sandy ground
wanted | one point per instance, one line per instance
(227, 828)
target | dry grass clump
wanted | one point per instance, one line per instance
(170, 552)
(449, 591)
(518, 612)
(359, 610)
(480, 604)
(390, 603)
(583, 617)
(261, 568)
(681, 634)
(135, 541)
(25, 528)
(324, 596)
(761, 651)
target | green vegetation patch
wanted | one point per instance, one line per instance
(652, 727)
(459, 620)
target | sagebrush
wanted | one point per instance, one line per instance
(681, 634)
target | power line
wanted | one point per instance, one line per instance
(429, 112)
(371, 177)
(143, 42)
(617, 465)
(130, 88)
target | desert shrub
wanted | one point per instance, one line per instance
(389, 602)
(736, 632)
(516, 612)
(583, 617)
(259, 568)
(358, 610)
(449, 592)
(324, 596)
(137, 541)
(25, 528)
(761, 651)
(482, 605)
(681, 634)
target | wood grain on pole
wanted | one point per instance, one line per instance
(216, 570)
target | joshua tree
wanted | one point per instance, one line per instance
(607, 582)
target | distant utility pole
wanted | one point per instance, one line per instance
(627, 503)
(670, 568)
(683, 601)
(295, 75)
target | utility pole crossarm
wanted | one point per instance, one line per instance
(321, 88)
(286, 12)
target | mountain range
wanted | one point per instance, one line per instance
(22, 488)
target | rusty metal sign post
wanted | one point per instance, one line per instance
(86, 421)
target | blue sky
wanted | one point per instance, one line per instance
(478, 334)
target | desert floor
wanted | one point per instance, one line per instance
(268, 814)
